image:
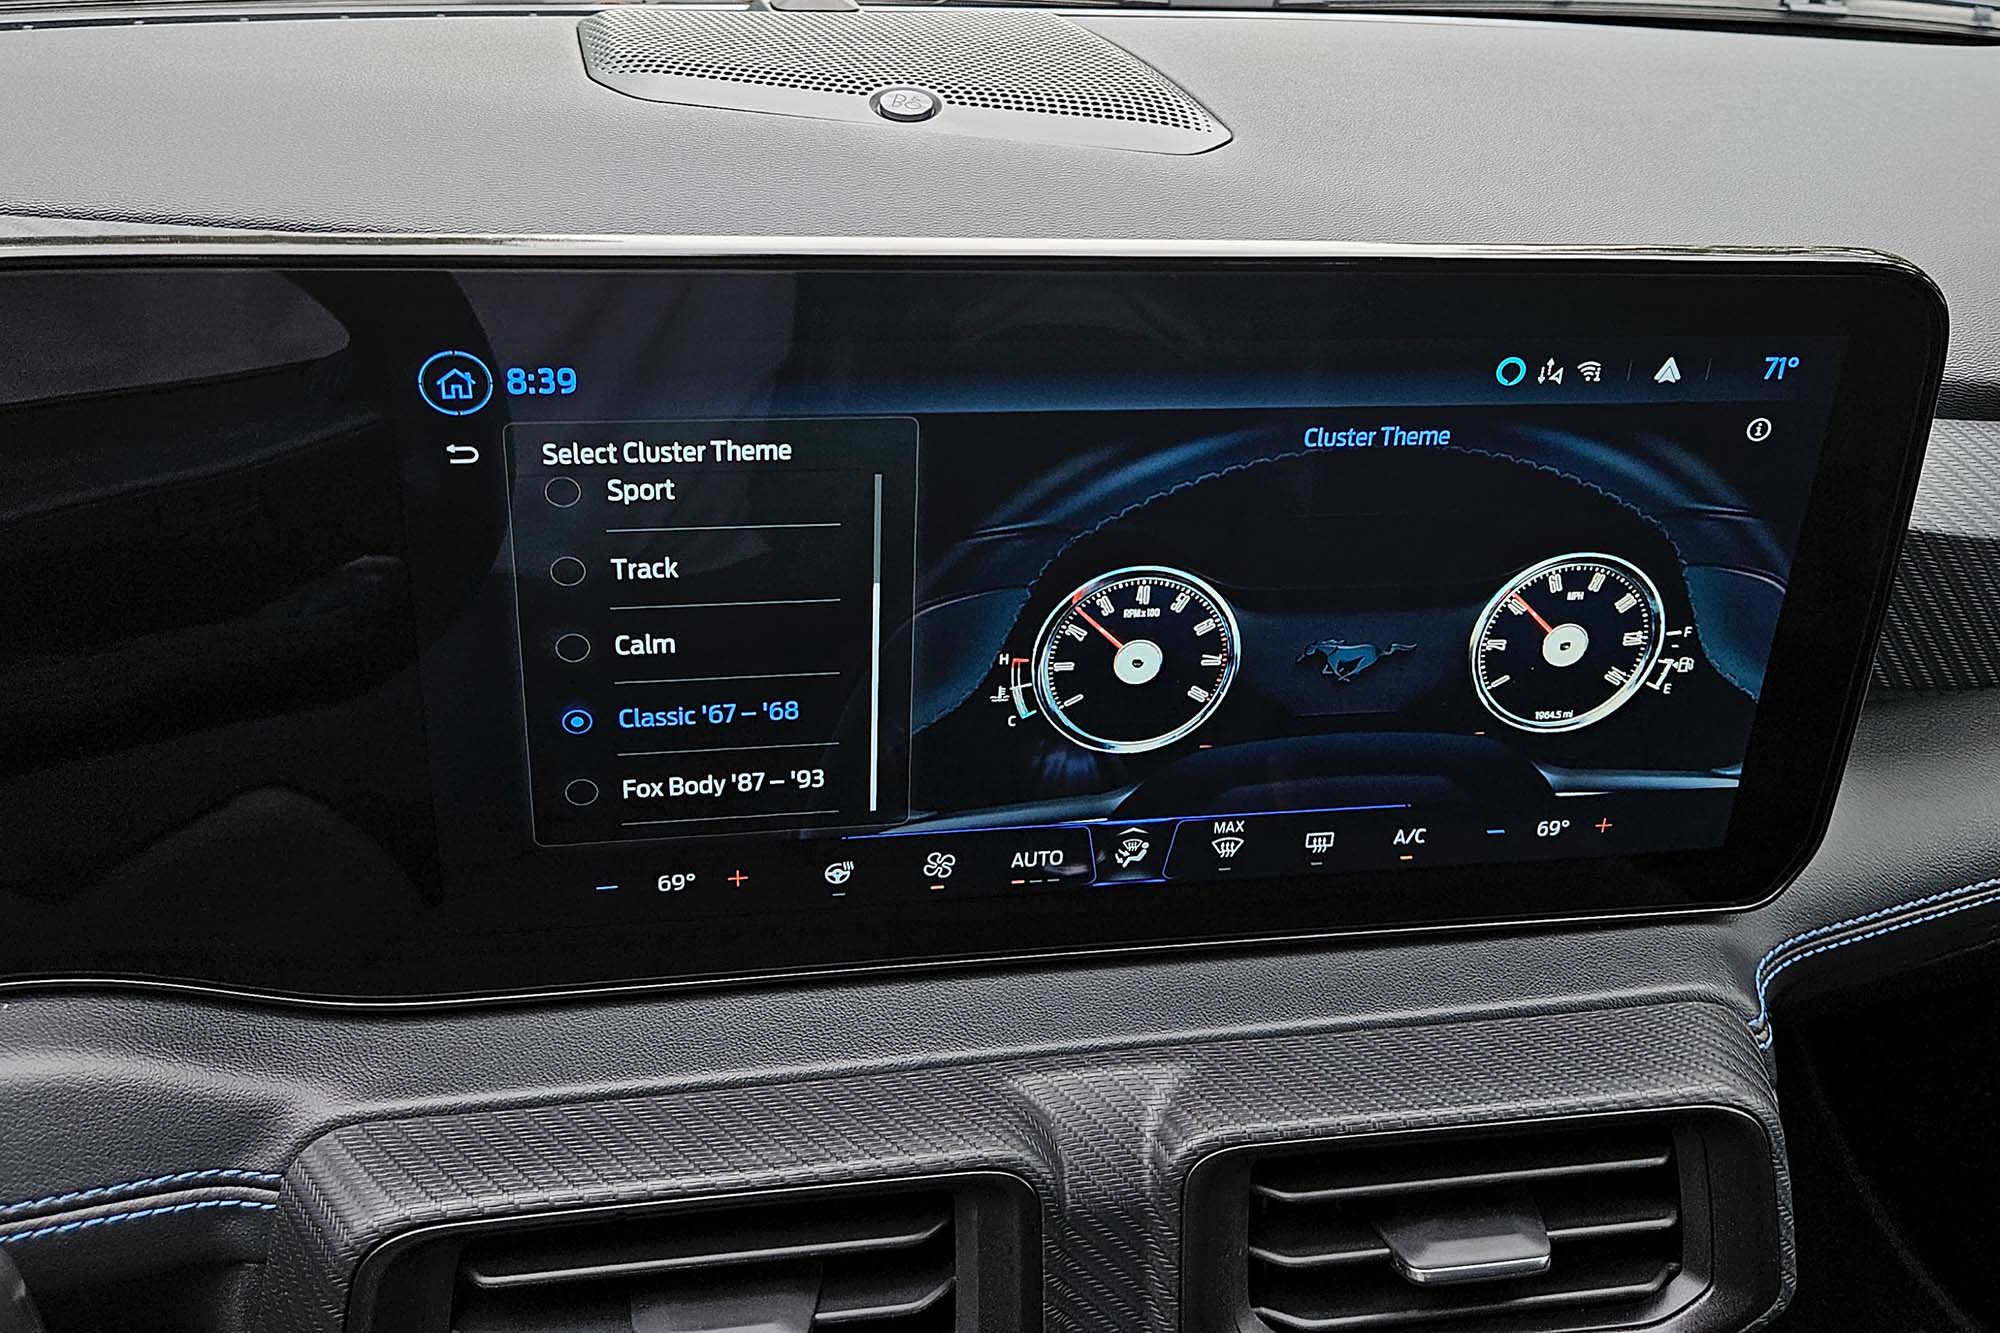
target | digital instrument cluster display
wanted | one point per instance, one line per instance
(734, 618)
(860, 621)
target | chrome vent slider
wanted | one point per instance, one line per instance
(1479, 1239)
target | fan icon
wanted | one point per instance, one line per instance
(939, 865)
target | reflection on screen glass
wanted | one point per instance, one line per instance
(498, 599)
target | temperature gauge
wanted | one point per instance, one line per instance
(1135, 659)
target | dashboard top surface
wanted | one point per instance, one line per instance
(1348, 128)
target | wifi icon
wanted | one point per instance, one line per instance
(1592, 371)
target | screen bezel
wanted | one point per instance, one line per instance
(1891, 314)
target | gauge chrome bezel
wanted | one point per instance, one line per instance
(1623, 695)
(1050, 708)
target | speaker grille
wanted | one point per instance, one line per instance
(1014, 74)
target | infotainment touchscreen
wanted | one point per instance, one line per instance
(668, 619)
(1244, 627)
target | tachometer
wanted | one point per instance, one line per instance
(1135, 659)
(1567, 642)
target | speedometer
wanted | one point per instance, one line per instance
(1567, 642)
(1135, 659)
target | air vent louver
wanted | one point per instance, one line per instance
(1609, 1198)
(886, 1264)
(920, 1256)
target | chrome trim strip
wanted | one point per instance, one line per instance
(223, 244)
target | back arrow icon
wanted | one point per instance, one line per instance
(460, 454)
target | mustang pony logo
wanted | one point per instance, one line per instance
(1344, 661)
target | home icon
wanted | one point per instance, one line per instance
(455, 383)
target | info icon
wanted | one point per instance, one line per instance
(454, 383)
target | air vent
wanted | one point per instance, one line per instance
(1603, 1210)
(931, 1260)
(1602, 1224)
(880, 1265)
(1008, 74)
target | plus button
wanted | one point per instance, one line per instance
(1602, 826)
(739, 879)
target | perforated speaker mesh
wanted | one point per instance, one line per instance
(997, 74)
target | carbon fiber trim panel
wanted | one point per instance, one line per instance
(1943, 626)
(1107, 1142)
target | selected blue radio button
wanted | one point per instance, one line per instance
(1511, 371)
(577, 721)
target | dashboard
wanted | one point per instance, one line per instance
(312, 983)
(972, 605)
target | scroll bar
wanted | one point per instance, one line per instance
(875, 665)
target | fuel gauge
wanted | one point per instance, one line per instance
(1567, 642)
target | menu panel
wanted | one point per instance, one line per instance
(714, 624)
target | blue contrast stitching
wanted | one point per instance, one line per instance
(1978, 895)
(177, 1178)
(107, 1219)
(1877, 915)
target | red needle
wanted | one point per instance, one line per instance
(1107, 633)
(1522, 602)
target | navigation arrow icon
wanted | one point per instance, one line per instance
(1668, 373)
